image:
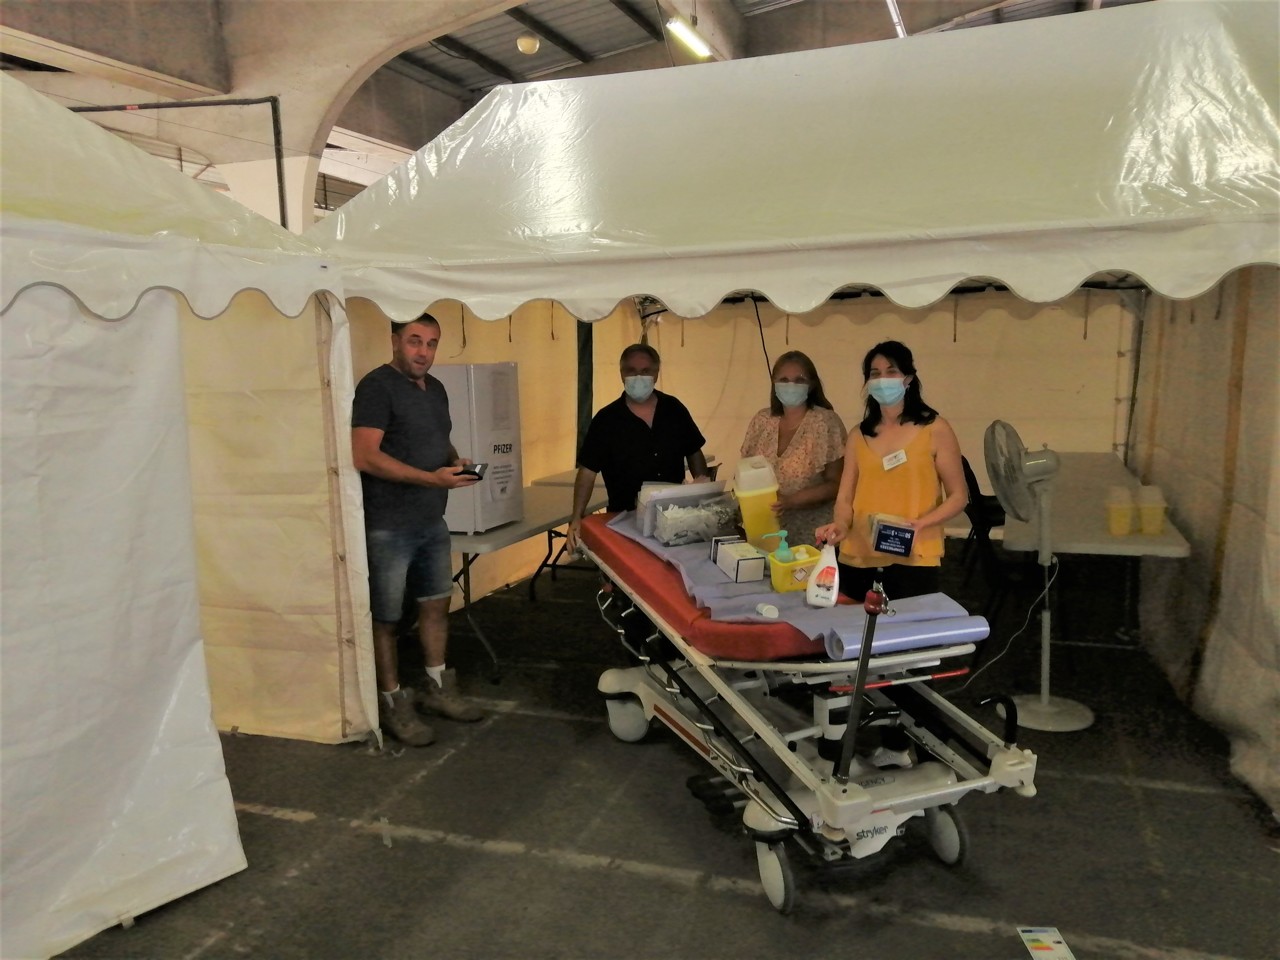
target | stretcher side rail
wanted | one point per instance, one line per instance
(837, 807)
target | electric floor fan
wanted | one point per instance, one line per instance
(1023, 483)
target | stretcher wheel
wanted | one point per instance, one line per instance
(776, 876)
(627, 721)
(947, 834)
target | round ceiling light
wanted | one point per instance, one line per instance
(528, 43)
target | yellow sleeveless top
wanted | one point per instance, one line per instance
(909, 490)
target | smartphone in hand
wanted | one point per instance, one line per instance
(473, 470)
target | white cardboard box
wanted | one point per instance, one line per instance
(741, 562)
(484, 405)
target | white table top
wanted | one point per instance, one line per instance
(1078, 514)
(567, 478)
(545, 508)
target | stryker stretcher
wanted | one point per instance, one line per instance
(765, 707)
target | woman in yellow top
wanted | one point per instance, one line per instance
(903, 461)
(803, 440)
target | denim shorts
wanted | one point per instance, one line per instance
(415, 557)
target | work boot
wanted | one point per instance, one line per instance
(445, 701)
(397, 716)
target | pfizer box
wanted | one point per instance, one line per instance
(741, 562)
(891, 535)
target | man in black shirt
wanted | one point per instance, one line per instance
(643, 435)
(400, 444)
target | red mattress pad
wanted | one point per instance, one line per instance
(660, 586)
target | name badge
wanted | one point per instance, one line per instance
(895, 459)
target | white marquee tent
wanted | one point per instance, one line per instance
(118, 399)
(1038, 154)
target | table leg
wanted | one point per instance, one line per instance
(1130, 631)
(546, 562)
(464, 576)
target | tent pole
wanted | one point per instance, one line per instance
(585, 385)
(277, 137)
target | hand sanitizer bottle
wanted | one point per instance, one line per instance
(824, 582)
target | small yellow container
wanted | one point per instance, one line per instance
(786, 577)
(1151, 511)
(1120, 512)
(756, 488)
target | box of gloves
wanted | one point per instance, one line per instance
(740, 561)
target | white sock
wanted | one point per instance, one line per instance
(389, 695)
(436, 674)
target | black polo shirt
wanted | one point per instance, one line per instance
(628, 452)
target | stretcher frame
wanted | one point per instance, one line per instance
(765, 756)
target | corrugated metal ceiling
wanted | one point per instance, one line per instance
(474, 59)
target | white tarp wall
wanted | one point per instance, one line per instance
(1207, 422)
(114, 794)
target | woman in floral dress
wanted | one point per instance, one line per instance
(803, 440)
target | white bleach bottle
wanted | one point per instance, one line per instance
(824, 582)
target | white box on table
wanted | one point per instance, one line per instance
(484, 404)
(741, 562)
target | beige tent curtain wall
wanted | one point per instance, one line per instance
(281, 624)
(1060, 373)
(1207, 407)
(981, 356)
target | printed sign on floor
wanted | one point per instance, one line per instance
(1045, 943)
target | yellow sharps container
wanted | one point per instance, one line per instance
(756, 488)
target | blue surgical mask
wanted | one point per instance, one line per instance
(638, 388)
(887, 390)
(791, 394)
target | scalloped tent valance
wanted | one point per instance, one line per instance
(1038, 153)
(83, 210)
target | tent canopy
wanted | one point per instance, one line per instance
(1039, 153)
(105, 221)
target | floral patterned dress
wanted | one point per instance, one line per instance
(818, 441)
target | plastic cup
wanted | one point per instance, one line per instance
(1120, 511)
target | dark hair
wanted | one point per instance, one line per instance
(398, 328)
(816, 398)
(644, 348)
(914, 409)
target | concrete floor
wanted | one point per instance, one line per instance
(536, 834)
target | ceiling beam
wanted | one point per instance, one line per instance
(414, 67)
(460, 49)
(552, 36)
(993, 8)
(639, 19)
(28, 46)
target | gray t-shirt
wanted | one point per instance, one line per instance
(416, 426)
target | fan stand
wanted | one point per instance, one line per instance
(1047, 712)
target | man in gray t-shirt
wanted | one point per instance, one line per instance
(400, 444)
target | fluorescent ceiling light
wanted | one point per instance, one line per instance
(689, 37)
